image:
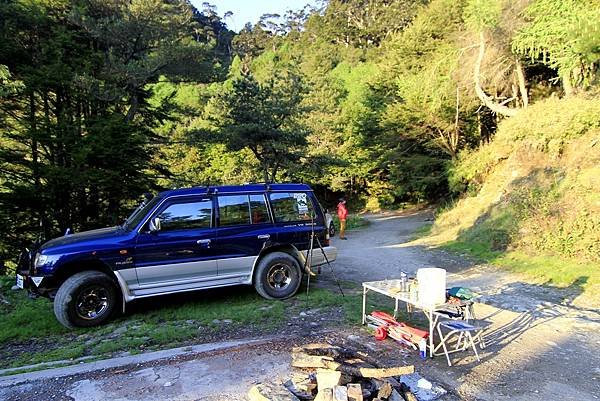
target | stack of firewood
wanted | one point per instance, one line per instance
(325, 372)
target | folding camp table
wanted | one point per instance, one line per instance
(392, 289)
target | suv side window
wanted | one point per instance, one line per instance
(186, 216)
(258, 208)
(291, 206)
(233, 210)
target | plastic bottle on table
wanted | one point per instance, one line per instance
(403, 282)
(423, 348)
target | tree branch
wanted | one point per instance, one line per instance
(484, 97)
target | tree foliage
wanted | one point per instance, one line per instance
(101, 101)
(78, 138)
(262, 117)
(565, 35)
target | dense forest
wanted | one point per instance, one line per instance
(385, 101)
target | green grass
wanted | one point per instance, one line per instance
(422, 231)
(30, 334)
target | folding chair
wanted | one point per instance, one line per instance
(466, 334)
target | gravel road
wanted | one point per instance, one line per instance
(539, 347)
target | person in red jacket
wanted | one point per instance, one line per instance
(342, 213)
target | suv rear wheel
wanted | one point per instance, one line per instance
(277, 276)
(85, 299)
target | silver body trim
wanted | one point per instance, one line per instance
(153, 276)
(242, 265)
(131, 290)
(200, 284)
(124, 278)
(317, 256)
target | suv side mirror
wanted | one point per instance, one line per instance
(154, 225)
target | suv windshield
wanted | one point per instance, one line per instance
(140, 212)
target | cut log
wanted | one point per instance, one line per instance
(268, 392)
(324, 395)
(340, 393)
(407, 393)
(377, 373)
(335, 352)
(301, 360)
(354, 392)
(385, 391)
(303, 381)
(328, 378)
(302, 392)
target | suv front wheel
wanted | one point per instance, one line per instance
(277, 276)
(85, 299)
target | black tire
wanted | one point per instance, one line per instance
(85, 299)
(277, 276)
(331, 229)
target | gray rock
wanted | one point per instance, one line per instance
(216, 321)
(118, 332)
(422, 394)
(227, 321)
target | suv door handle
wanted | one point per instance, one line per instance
(264, 236)
(204, 242)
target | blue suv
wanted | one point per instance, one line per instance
(183, 240)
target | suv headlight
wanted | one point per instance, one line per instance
(41, 260)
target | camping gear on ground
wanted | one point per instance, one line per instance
(432, 286)
(465, 334)
(386, 325)
(391, 289)
(462, 293)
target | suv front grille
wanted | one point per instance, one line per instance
(25, 263)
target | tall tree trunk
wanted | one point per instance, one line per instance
(567, 85)
(487, 100)
(35, 168)
(521, 81)
(456, 125)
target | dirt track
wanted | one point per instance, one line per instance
(539, 347)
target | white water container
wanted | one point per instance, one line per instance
(432, 286)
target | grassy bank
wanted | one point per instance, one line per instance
(30, 334)
(531, 198)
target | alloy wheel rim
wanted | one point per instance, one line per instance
(92, 303)
(279, 276)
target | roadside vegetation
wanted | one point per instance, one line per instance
(380, 101)
(353, 222)
(532, 197)
(30, 334)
